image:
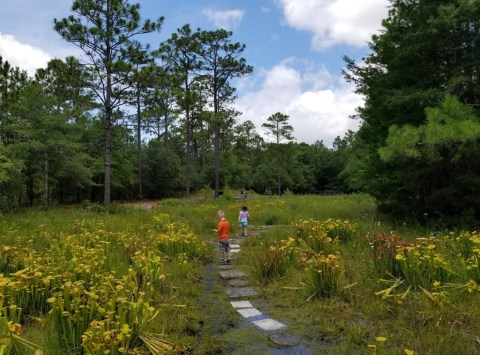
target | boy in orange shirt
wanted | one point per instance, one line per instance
(223, 231)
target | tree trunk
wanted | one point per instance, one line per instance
(188, 154)
(139, 148)
(107, 156)
(45, 180)
(217, 158)
(204, 143)
(165, 138)
(278, 164)
(216, 144)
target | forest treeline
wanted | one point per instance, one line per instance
(129, 120)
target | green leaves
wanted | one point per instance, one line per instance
(417, 153)
(277, 125)
(449, 126)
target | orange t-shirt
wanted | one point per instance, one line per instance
(223, 230)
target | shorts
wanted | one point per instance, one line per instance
(244, 224)
(224, 245)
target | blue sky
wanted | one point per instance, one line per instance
(295, 47)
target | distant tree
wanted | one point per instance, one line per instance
(277, 126)
(142, 79)
(180, 53)
(62, 82)
(221, 62)
(49, 145)
(163, 171)
(247, 146)
(160, 111)
(12, 82)
(103, 30)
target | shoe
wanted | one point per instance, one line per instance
(223, 261)
(228, 261)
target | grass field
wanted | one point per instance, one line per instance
(122, 280)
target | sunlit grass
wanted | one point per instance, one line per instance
(337, 272)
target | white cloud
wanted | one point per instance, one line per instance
(350, 22)
(227, 19)
(319, 112)
(22, 55)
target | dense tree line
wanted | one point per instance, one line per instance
(126, 121)
(129, 121)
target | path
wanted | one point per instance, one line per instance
(243, 328)
(249, 330)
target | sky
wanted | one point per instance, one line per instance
(295, 46)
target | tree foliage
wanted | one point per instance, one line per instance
(104, 30)
(417, 140)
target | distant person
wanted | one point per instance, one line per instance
(223, 232)
(243, 219)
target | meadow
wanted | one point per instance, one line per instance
(122, 280)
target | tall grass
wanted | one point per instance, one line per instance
(336, 271)
(379, 275)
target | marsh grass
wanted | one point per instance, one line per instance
(353, 312)
(367, 297)
(92, 248)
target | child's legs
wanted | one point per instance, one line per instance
(224, 245)
(244, 227)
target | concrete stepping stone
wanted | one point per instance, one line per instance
(234, 250)
(225, 267)
(231, 274)
(238, 283)
(284, 340)
(241, 304)
(249, 312)
(269, 324)
(235, 246)
(237, 292)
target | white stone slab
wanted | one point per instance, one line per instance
(269, 324)
(238, 292)
(241, 304)
(235, 245)
(231, 274)
(249, 312)
(234, 250)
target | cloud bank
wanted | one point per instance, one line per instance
(335, 21)
(318, 105)
(22, 55)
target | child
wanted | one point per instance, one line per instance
(223, 231)
(243, 218)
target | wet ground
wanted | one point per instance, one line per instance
(237, 327)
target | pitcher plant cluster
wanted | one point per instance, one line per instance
(439, 266)
(71, 283)
(313, 247)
